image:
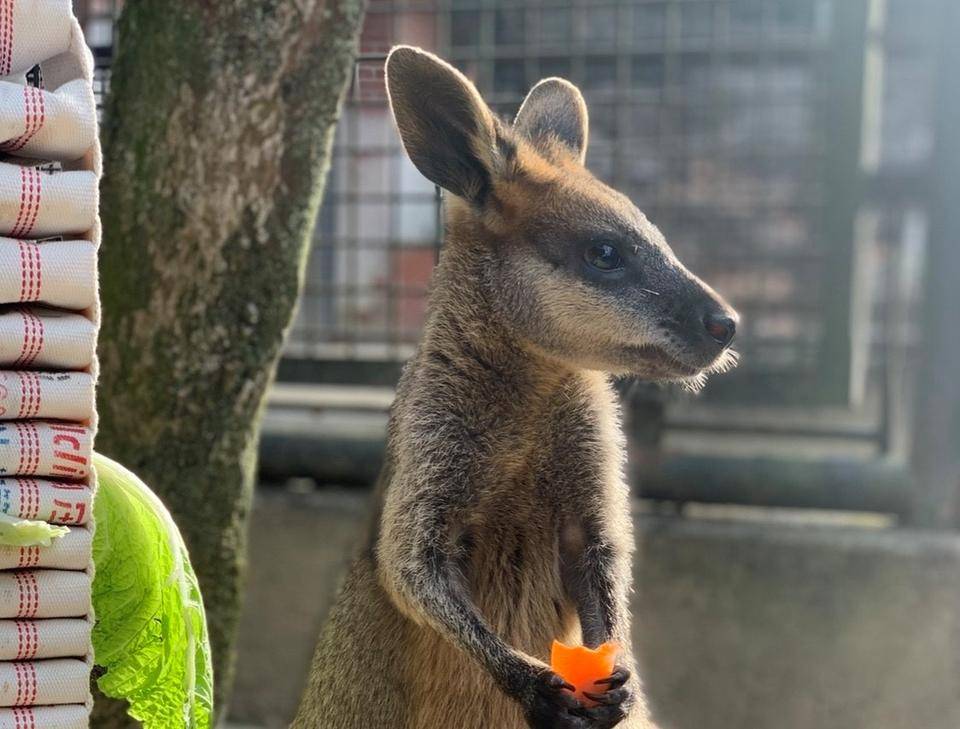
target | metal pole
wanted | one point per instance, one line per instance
(936, 432)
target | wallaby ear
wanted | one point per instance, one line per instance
(554, 111)
(447, 129)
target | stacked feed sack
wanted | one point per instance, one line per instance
(49, 313)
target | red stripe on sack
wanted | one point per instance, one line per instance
(61, 428)
(28, 384)
(30, 271)
(26, 498)
(24, 264)
(29, 557)
(28, 594)
(6, 37)
(38, 344)
(32, 599)
(29, 394)
(72, 457)
(28, 640)
(31, 432)
(70, 486)
(26, 344)
(34, 464)
(22, 210)
(34, 248)
(34, 405)
(33, 336)
(26, 274)
(37, 178)
(23, 717)
(37, 394)
(9, 52)
(23, 395)
(26, 684)
(31, 670)
(33, 639)
(21, 593)
(30, 190)
(34, 488)
(39, 113)
(22, 451)
(21, 641)
(34, 116)
(38, 339)
(24, 455)
(18, 680)
(26, 678)
(29, 457)
(34, 191)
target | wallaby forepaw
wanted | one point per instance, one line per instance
(549, 704)
(613, 704)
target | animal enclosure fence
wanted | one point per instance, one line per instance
(775, 142)
(783, 146)
(737, 126)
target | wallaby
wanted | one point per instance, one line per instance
(503, 519)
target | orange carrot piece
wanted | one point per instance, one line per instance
(581, 666)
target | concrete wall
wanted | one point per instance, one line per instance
(740, 625)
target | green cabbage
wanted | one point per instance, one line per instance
(150, 633)
(16, 532)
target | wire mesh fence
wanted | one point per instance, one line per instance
(781, 145)
(719, 118)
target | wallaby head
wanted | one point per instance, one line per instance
(570, 266)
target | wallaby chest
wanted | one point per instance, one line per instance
(547, 470)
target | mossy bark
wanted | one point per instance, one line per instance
(217, 138)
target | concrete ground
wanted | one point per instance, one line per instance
(740, 624)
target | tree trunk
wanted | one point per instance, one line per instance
(217, 140)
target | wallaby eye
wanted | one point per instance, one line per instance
(603, 257)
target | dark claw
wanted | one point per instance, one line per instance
(556, 681)
(616, 679)
(608, 698)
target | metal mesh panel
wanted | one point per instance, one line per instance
(707, 113)
(711, 114)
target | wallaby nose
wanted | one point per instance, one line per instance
(721, 328)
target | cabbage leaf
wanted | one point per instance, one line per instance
(150, 633)
(16, 532)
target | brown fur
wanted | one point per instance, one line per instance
(502, 517)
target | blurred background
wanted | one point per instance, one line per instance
(799, 564)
